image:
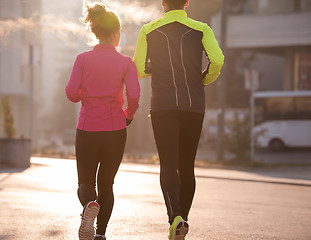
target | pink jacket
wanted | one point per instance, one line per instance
(97, 80)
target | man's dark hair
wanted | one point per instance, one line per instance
(176, 3)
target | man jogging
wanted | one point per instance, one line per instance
(170, 50)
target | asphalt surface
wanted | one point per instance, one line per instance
(40, 202)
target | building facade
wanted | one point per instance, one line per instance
(271, 38)
(20, 63)
(39, 40)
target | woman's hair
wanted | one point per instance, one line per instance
(101, 20)
(176, 3)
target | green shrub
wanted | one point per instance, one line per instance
(7, 118)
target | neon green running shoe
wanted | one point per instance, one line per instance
(178, 229)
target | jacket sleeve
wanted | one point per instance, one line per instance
(73, 88)
(132, 91)
(140, 55)
(214, 54)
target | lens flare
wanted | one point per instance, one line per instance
(130, 12)
(10, 26)
(44, 23)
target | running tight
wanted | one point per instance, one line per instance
(101, 153)
(177, 135)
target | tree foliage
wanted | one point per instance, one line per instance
(238, 139)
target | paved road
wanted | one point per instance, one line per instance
(40, 203)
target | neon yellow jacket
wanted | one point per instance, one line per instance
(170, 49)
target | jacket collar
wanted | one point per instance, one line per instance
(176, 13)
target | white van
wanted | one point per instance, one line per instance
(277, 135)
(284, 119)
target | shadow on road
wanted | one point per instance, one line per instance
(53, 233)
(8, 169)
(8, 172)
(6, 237)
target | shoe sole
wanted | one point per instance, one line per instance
(181, 230)
(86, 230)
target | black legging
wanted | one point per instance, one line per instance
(177, 135)
(103, 149)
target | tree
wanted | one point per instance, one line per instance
(238, 138)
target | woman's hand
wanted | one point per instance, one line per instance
(128, 121)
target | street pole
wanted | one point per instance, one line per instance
(31, 73)
(254, 78)
(252, 113)
(221, 96)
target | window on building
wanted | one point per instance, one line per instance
(269, 6)
(303, 71)
(275, 7)
(304, 6)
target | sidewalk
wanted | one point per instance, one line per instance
(280, 175)
(41, 202)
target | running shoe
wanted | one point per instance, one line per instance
(99, 237)
(178, 229)
(87, 229)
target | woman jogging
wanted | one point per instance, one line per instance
(97, 80)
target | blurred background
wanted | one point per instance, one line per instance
(259, 109)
